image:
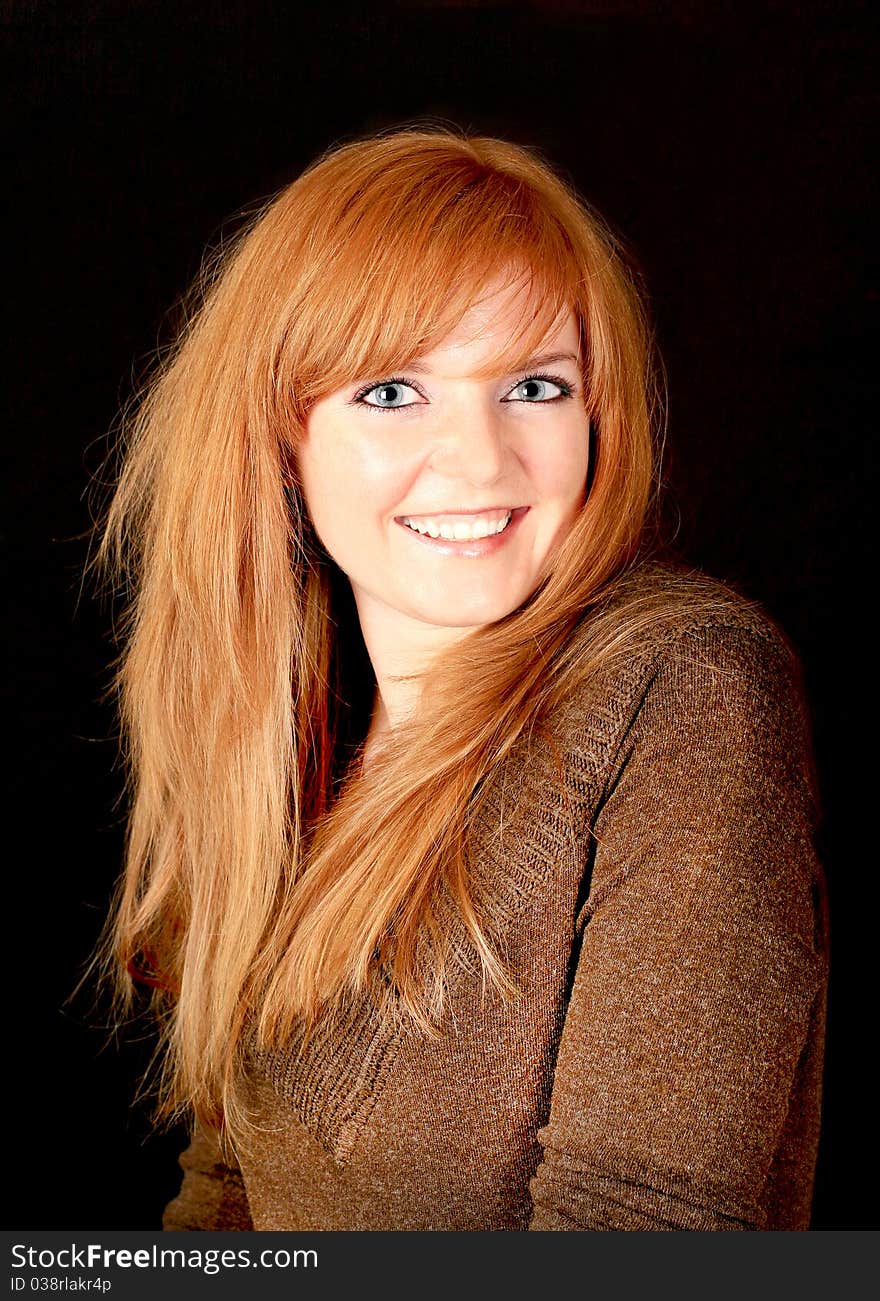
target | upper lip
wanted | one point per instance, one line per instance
(473, 510)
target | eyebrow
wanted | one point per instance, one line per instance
(542, 359)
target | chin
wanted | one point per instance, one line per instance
(472, 615)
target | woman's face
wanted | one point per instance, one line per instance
(409, 477)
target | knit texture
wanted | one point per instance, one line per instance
(646, 863)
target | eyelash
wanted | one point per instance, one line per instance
(567, 390)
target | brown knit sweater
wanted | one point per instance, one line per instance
(654, 880)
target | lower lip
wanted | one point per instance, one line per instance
(472, 548)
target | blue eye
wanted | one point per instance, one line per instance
(539, 388)
(387, 396)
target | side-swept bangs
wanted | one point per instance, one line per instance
(391, 254)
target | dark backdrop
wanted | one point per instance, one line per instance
(730, 151)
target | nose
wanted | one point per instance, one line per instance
(472, 445)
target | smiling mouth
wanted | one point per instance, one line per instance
(461, 527)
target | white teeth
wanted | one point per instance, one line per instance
(460, 531)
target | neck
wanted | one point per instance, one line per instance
(400, 650)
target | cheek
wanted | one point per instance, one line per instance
(347, 481)
(323, 487)
(560, 466)
(379, 470)
(308, 475)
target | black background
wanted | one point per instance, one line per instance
(728, 144)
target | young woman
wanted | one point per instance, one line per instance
(470, 865)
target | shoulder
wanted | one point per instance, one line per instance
(663, 601)
(674, 656)
(658, 613)
(696, 745)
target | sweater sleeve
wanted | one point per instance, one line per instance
(702, 951)
(212, 1196)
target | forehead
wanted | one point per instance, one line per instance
(502, 329)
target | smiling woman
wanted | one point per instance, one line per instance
(491, 470)
(523, 927)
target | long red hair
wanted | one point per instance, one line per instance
(269, 881)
